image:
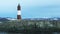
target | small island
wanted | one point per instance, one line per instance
(30, 26)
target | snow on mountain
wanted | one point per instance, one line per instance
(11, 18)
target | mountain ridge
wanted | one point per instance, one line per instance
(9, 18)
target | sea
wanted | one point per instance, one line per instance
(26, 33)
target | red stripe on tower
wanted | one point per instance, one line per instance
(19, 11)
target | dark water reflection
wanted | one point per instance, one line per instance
(30, 33)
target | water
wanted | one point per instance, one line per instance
(3, 33)
(22, 33)
(56, 33)
(9, 33)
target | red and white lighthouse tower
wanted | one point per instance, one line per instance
(19, 12)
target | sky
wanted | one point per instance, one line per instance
(30, 8)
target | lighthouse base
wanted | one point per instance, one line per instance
(19, 17)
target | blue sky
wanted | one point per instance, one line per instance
(30, 8)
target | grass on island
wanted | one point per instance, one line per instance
(29, 26)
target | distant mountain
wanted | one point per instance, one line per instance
(9, 18)
(54, 18)
(3, 19)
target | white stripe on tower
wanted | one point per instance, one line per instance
(19, 12)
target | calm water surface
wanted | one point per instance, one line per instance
(23, 33)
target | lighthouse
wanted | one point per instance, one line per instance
(19, 12)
